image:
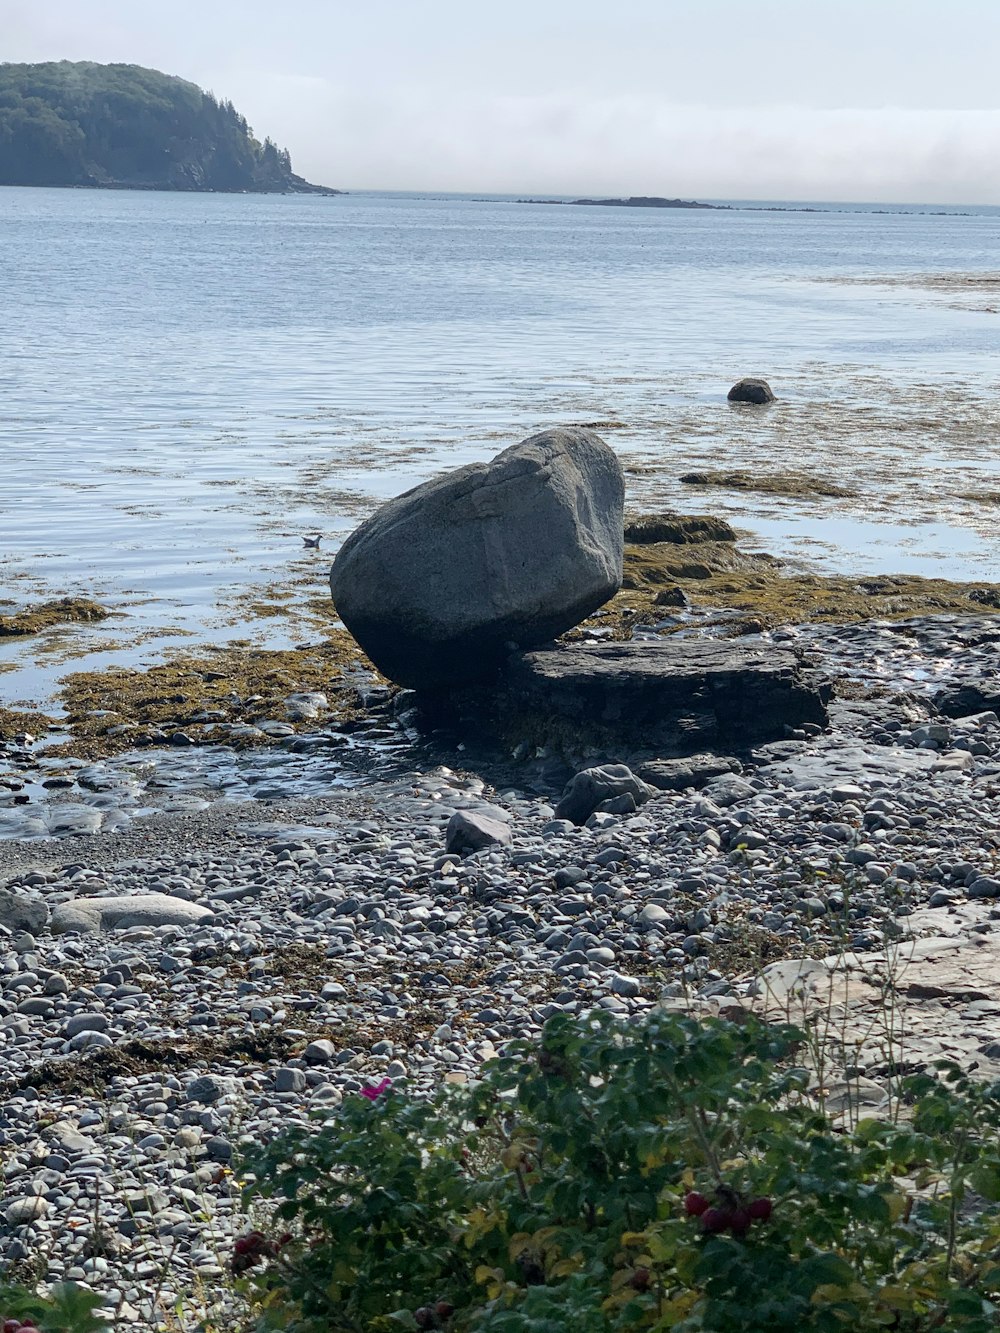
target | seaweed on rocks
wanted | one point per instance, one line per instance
(43, 615)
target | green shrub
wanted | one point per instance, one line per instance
(67, 1309)
(659, 1175)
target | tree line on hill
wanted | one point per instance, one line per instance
(83, 124)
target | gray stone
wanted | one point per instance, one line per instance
(289, 1080)
(77, 1023)
(23, 911)
(439, 582)
(471, 830)
(594, 787)
(319, 1052)
(29, 1209)
(628, 987)
(90, 916)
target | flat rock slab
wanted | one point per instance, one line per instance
(90, 916)
(945, 997)
(676, 695)
(695, 771)
(829, 763)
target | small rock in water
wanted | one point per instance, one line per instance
(751, 390)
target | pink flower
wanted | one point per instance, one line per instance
(373, 1092)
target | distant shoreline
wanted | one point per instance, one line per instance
(160, 187)
(633, 201)
(655, 201)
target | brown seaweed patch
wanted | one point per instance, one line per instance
(203, 694)
(648, 567)
(710, 578)
(62, 611)
(15, 721)
(798, 484)
(681, 529)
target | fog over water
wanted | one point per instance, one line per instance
(839, 99)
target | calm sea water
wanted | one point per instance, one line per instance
(189, 383)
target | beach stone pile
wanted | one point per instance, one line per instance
(232, 971)
(177, 991)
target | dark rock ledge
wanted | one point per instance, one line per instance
(671, 697)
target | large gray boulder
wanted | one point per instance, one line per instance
(439, 582)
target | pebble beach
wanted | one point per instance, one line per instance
(178, 989)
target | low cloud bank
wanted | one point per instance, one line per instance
(560, 145)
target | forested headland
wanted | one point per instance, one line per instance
(122, 126)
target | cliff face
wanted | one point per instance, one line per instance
(66, 123)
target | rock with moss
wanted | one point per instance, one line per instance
(439, 582)
(793, 484)
(679, 529)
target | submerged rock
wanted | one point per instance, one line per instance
(438, 583)
(751, 390)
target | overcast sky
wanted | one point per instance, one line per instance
(883, 100)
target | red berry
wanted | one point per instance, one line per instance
(695, 1204)
(242, 1246)
(639, 1281)
(760, 1209)
(425, 1317)
(444, 1309)
(11, 1326)
(715, 1220)
(740, 1222)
